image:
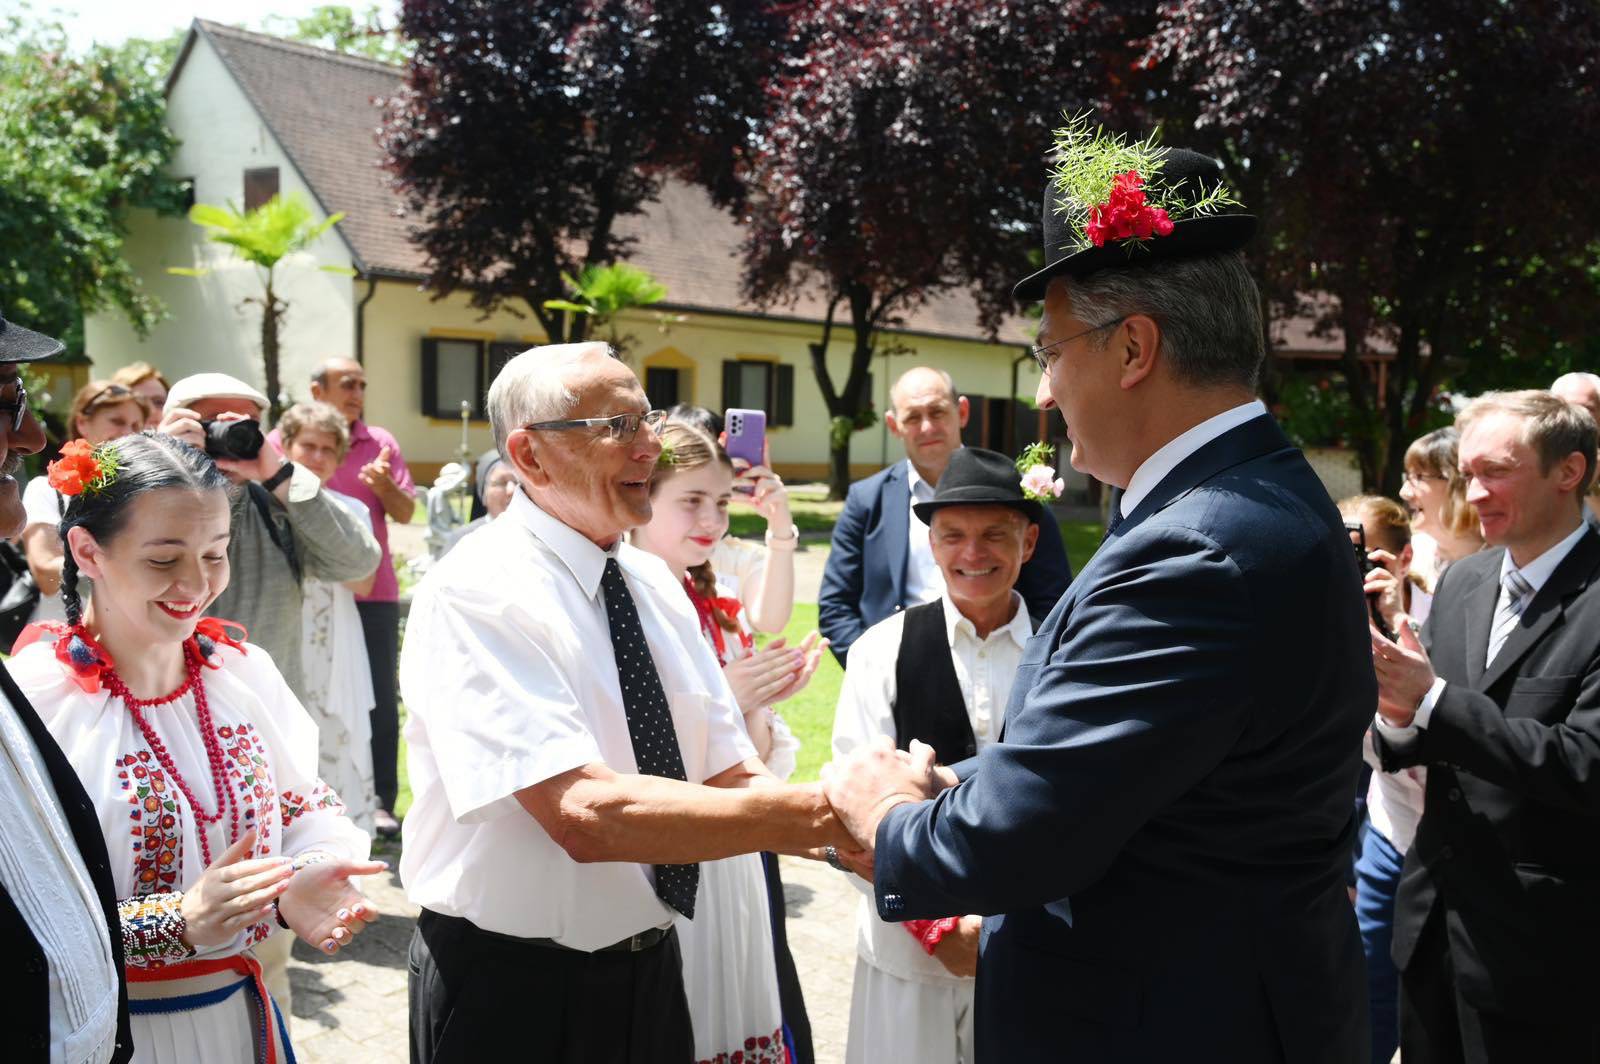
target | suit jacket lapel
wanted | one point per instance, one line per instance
(1481, 603)
(1570, 577)
(1256, 437)
(896, 526)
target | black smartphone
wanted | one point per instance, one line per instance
(1364, 565)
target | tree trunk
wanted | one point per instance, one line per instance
(271, 315)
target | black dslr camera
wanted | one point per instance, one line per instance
(1364, 565)
(233, 439)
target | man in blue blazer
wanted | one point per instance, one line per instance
(880, 561)
(1160, 840)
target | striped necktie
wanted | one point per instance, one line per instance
(655, 742)
(1515, 591)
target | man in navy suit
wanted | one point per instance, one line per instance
(1160, 840)
(880, 561)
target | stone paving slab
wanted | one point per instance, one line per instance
(351, 1009)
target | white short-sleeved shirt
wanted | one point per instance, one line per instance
(509, 679)
(43, 506)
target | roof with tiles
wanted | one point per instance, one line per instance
(324, 108)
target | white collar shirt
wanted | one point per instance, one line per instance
(985, 669)
(1169, 456)
(45, 877)
(509, 680)
(924, 581)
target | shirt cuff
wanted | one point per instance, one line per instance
(1403, 737)
(303, 484)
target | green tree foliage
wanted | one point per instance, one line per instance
(341, 29)
(265, 237)
(604, 292)
(82, 140)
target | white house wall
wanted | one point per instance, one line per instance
(222, 136)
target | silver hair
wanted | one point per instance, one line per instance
(1208, 307)
(533, 387)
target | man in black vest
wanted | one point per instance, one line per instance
(59, 930)
(939, 673)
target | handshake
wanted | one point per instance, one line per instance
(869, 782)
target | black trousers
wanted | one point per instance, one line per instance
(477, 997)
(380, 624)
(1439, 1026)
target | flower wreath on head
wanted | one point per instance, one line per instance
(1039, 480)
(83, 467)
(1109, 189)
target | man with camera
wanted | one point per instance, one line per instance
(284, 527)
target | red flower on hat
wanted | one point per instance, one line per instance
(1125, 213)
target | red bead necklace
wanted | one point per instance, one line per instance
(208, 734)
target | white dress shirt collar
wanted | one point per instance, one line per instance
(577, 552)
(1538, 572)
(1155, 468)
(1019, 627)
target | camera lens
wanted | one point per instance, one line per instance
(233, 439)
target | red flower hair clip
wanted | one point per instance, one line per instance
(83, 467)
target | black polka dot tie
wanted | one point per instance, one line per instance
(655, 743)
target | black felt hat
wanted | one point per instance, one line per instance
(1066, 252)
(976, 477)
(24, 345)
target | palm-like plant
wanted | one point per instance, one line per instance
(264, 236)
(604, 292)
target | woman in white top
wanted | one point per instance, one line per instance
(101, 411)
(201, 764)
(338, 678)
(729, 965)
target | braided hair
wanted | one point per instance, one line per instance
(692, 447)
(146, 461)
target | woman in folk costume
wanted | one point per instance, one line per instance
(729, 965)
(200, 762)
(338, 678)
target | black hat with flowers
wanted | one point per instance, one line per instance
(1110, 203)
(979, 477)
(24, 345)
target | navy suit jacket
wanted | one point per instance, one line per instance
(1160, 839)
(865, 578)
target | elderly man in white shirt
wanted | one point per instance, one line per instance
(939, 673)
(564, 712)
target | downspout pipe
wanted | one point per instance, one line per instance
(361, 319)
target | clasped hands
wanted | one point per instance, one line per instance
(872, 780)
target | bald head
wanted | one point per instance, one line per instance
(1582, 389)
(927, 414)
(342, 384)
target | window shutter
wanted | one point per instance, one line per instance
(730, 383)
(430, 377)
(783, 401)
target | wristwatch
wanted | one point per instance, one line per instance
(284, 472)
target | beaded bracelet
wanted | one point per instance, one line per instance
(788, 542)
(153, 928)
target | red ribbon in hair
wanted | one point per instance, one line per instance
(86, 662)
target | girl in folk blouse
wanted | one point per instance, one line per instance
(201, 763)
(729, 965)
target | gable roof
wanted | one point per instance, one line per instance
(322, 108)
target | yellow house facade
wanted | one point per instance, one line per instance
(257, 115)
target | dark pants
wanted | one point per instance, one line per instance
(796, 1024)
(380, 624)
(1439, 1026)
(478, 997)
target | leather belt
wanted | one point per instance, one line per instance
(647, 939)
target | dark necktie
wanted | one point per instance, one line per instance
(1114, 519)
(655, 744)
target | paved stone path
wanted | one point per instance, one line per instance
(352, 1009)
